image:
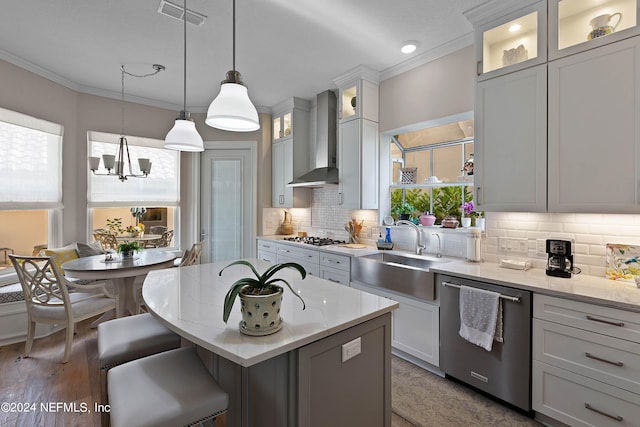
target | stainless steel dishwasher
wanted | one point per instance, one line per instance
(505, 372)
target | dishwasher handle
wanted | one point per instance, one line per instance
(506, 297)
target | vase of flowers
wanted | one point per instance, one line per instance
(468, 212)
(136, 230)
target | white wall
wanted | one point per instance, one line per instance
(31, 94)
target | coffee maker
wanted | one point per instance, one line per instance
(560, 262)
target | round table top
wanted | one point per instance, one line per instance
(97, 267)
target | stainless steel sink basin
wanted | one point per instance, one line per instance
(406, 274)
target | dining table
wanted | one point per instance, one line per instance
(123, 273)
(141, 239)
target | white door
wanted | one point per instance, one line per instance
(228, 203)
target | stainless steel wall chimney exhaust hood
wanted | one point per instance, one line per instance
(325, 174)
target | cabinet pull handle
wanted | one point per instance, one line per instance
(608, 322)
(591, 356)
(613, 417)
(479, 68)
(333, 280)
(478, 196)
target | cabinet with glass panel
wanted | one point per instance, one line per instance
(432, 170)
(578, 25)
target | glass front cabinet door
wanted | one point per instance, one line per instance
(281, 126)
(512, 42)
(578, 25)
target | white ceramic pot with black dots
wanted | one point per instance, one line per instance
(260, 312)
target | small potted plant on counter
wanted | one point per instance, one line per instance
(260, 298)
(127, 249)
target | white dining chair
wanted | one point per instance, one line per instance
(49, 300)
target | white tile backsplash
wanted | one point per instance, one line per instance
(589, 232)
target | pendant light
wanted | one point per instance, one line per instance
(184, 136)
(232, 109)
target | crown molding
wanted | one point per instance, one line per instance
(426, 57)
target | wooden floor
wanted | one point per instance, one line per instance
(39, 386)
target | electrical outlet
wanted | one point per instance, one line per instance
(513, 245)
(541, 246)
(351, 349)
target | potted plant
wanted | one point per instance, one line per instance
(404, 211)
(127, 249)
(260, 298)
(115, 226)
(468, 212)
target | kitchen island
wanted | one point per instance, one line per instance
(329, 365)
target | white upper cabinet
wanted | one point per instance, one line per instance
(594, 130)
(510, 166)
(290, 152)
(513, 41)
(578, 25)
(358, 95)
(358, 139)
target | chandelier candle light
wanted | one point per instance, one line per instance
(184, 136)
(115, 164)
(232, 109)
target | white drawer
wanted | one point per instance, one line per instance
(312, 268)
(564, 396)
(267, 245)
(334, 275)
(603, 320)
(267, 256)
(611, 360)
(298, 253)
(341, 262)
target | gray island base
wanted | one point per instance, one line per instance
(329, 365)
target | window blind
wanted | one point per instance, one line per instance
(30, 162)
(160, 188)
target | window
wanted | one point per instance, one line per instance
(108, 197)
(31, 189)
(428, 170)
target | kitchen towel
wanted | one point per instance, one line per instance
(480, 316)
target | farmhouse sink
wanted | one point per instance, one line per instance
(406, 274)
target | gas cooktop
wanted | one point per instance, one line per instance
(316, 241)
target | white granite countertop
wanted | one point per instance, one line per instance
(592, 289)
(336, 249)
(189, 300)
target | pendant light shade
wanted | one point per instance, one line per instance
(184, 136)
(232, 109)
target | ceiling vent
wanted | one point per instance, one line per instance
(175, 11)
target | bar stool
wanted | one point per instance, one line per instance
(129, 338)
(169, 389)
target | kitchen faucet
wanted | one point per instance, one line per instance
(439, 253)
(419, 245)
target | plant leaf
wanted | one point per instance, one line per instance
(275, 268)
(230, 298)
(271, 282)
(242, 262)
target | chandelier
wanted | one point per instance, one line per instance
(115, 164)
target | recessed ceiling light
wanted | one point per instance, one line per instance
(409, 47)
(514, 28)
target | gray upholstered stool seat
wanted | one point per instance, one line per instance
(129, 338)
(169, 389)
